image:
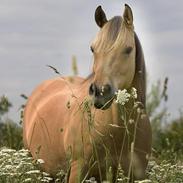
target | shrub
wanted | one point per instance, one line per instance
(10, 132)
(10, 135)
(170, 145)
(4, 105)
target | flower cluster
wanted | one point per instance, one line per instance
(18, 166)
(122, 96)
(134, 93)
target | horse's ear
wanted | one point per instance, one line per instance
(128, 15)
(100, 17)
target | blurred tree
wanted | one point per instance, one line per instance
(10, 132)
(4, 105)
(10, 135)
(167, 135)
(156, 96)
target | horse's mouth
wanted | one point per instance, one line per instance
(103, 106)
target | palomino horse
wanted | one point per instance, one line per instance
(76, 120)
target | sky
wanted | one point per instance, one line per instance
(36, 33)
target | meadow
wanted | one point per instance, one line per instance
(165, 163)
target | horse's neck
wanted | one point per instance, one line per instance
(139, 81)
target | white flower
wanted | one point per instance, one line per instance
(46, 174)
(27, 180)
(144, 181)
(134, 93)
(46, 179)
(33, 172)
(40, 161)
(8, 167)
(122, 96)
(131, 121)
(8, 150)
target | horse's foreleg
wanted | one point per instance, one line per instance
(77, 171)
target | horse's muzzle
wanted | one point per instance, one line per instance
(102, 96)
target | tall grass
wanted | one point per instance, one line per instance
(18, 166)
(165, 165)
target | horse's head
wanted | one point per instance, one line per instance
(114, 56)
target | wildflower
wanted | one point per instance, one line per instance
(134, 93)
(138, 110)
(8, 150)
(131, 121)
(8, 167)
(45, 174)
(40, 161)
(28, 180)
(144, 181)
(91, 180)
(122, 96)
(143, 116)
(132, 147)
(147, 156)
(46, 179)
(136, 104)
(33, 172)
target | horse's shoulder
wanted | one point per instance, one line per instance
(52, 91)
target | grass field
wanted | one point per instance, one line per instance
(165, 164)
(18, 166)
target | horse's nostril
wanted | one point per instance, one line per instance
(92, 89)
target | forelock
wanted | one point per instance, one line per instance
(109, 34)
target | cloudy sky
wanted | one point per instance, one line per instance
(34, 33)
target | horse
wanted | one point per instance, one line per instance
(74, 123)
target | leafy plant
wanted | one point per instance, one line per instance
(5, 104)
(10, 135)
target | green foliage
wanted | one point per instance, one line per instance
(170, 144)
(156, 112)
(10, 132)
(175, 134)
(4, 105)
(167, 135)
(10, 135)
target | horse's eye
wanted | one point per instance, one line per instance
(91, 48)
(128, 50)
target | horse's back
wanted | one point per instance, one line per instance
(44, 119)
